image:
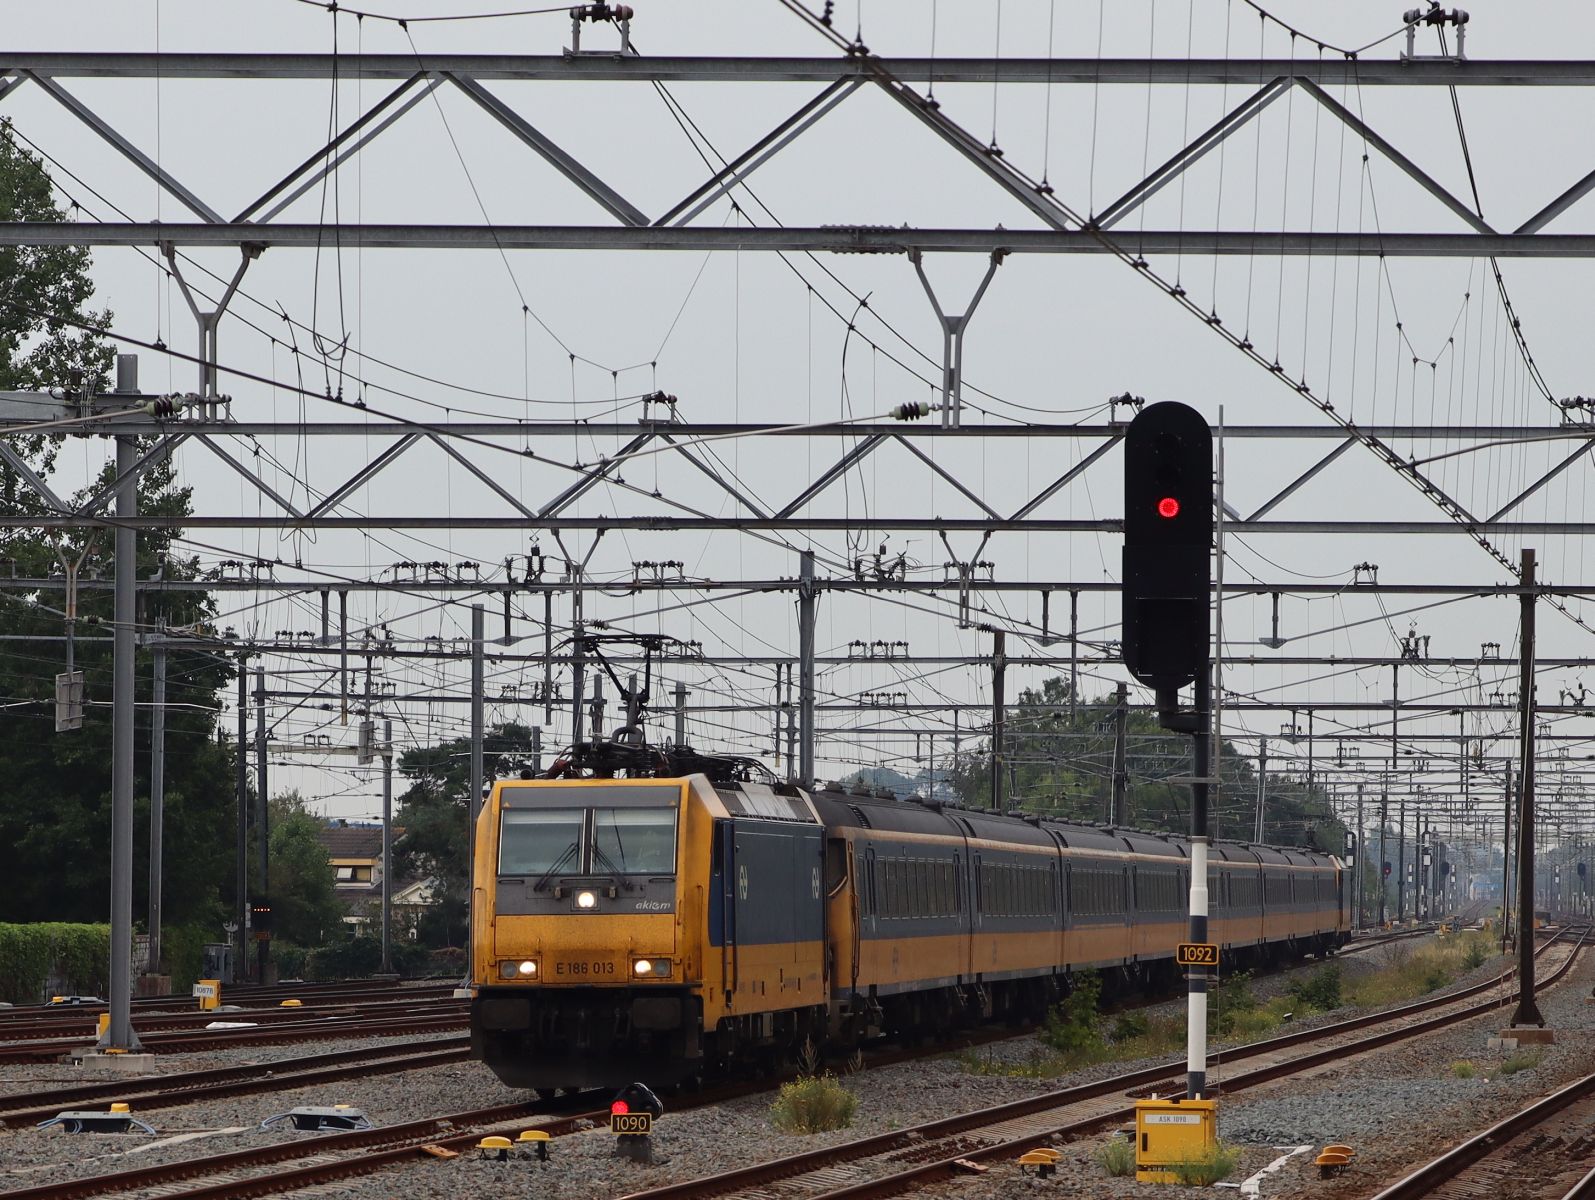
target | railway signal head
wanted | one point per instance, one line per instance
(1168, 540)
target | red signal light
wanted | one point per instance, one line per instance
(619, 1108)
(1168, 507)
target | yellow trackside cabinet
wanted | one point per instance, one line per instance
(1172, 1131)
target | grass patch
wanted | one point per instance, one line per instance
(1463, 1069)
(1039, 1064)
(1320, 990)
(1527, 1060)
(1206, 1169)
(1129, 1040)
(1405, 974)
(813, 1104)
(1117, 1157)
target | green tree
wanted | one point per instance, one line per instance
(434, 814)
(40, 285)
(1059, 759)
(304, 905)
(55, 822)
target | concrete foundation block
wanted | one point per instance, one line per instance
(118, 1064)
(1529, 1035)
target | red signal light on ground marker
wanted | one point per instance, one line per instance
(1168, 507)
(619, 1108)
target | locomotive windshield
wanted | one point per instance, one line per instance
(614, 831)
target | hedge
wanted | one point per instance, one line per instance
(80, 953)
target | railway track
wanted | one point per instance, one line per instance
(28, 1108)
(245, 997)
(992, 1133)
(1551, 1139)
(906, 1160)
(329, 1157)
(429, 1019)
(66, 1028)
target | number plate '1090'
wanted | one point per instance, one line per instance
(637, 1122)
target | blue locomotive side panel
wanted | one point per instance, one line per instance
(765, 883)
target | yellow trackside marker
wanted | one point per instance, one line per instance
(1045, 1164)
(494, 1147)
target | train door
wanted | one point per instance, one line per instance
(977, 896)
(723, 904)
(869, 891)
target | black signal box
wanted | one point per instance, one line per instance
(1168, 545)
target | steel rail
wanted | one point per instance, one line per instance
(24, 1109)
(917, 1136)
(916, 1177)
(413, 1137)
(1428, 1179)
(223, 1039)
(410, 1135)
(58, 1028)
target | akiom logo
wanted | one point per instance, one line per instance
(652, 906)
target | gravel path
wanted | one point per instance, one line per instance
(1356, 1103)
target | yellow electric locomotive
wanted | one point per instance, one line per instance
(644, 927)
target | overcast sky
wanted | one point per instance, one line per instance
(444, 335)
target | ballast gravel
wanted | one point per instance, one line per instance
(1389, 1105)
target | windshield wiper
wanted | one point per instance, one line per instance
(598, 853)
(542, 884)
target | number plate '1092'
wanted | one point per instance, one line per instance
(1196, 954)
(638, 1122)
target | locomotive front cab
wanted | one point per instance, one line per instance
(580, 961)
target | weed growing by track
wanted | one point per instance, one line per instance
(813, 1104)
(1117, 1157)
(1077, 1035)
(1406, 974)
(1525, 1060)
(1206, 1169)
(1463, 1069)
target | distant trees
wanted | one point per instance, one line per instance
(55, 819)
(1060, 762)
(304, 904)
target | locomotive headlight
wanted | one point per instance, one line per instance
(587, 900)
(644, 967)
(526, 969)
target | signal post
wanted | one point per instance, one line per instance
(1167, 583)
